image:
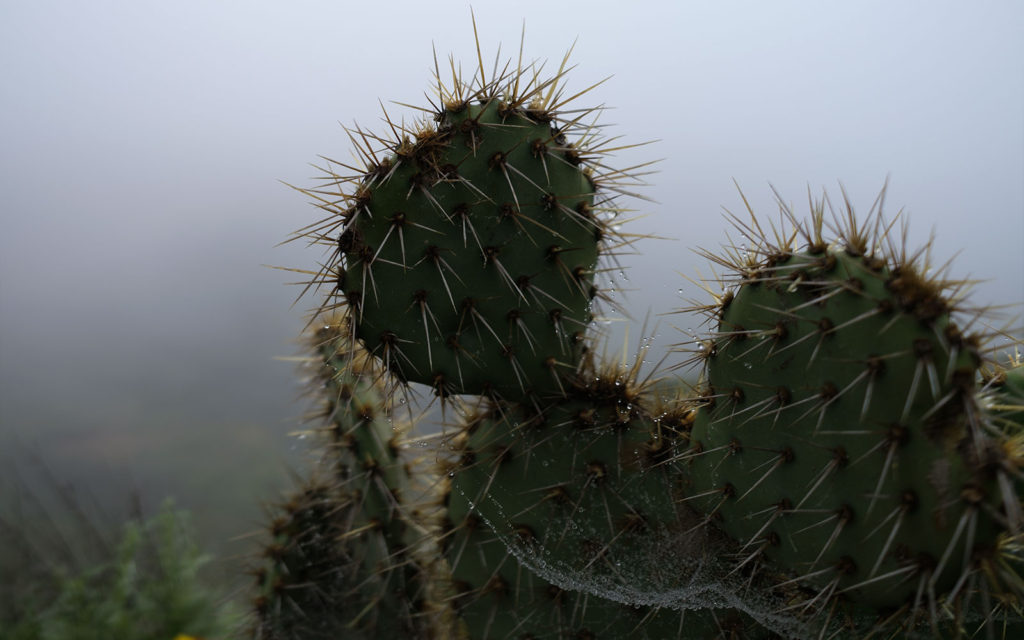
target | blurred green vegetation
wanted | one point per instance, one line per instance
(68, 577)
(132, 534)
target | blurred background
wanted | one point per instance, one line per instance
(144, 344)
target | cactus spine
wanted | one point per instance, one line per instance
(852, 466)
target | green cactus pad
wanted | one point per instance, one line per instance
(497, 597)
(841, 440)
(470, 264)
(578, 485)
(361, 431)
(304, 584)
(579, 496)
(465, 251)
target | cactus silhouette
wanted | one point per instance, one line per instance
(850, 466)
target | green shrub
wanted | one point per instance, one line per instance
(147, 588)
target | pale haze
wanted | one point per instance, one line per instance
(145, 147)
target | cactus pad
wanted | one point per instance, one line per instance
(498, 597)
(465, 250)
(841, 438)
(564, 518)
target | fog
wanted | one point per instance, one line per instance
(145, 147)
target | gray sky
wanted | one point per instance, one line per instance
(143, 144)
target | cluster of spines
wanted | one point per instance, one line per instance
(1002, 396)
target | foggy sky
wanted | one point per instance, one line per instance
(144, 145)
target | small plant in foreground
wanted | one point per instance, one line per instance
(143, 586)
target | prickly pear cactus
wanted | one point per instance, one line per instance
(465, 250)
(302, 578)
(342, 558)
(852, 469)
(841, 438)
